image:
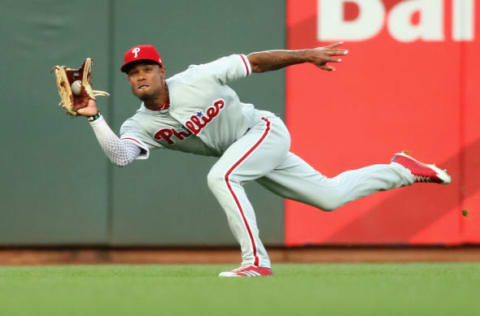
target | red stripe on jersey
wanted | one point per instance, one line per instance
(233, 193)
(135, 140)
(246, 65)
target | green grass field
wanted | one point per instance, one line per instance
(296, 289)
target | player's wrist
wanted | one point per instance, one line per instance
(95, 117)
(307, 55)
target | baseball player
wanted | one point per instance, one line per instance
(196, 111)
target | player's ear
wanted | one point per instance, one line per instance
(162, 70)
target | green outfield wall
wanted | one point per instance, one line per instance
(57, 187)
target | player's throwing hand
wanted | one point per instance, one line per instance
(321, 56)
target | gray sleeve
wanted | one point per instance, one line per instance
(229, 68)
(133, 132)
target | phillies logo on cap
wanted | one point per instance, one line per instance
(141, 52)
(135, 51)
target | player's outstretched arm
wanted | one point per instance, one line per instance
(276, 59)
(120, 152)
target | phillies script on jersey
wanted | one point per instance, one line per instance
(167, 133)
(195, 124)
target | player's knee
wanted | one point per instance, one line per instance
(215, 178)
(332, 201)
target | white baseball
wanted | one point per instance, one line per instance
(76, 87)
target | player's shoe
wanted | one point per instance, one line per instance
(247, 271)
(421, 171)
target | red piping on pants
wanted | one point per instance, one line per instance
(233, 193)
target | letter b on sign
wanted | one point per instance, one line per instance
(332, 26)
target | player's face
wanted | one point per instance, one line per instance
(146, 80)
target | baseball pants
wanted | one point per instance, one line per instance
(262, 154)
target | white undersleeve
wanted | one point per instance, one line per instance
(120, 152)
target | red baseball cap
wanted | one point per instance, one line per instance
(141, 52)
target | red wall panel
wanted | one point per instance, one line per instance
(471, 154)
(392, 92)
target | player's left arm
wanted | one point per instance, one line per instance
(277, 59)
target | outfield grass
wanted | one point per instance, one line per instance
(296, 289)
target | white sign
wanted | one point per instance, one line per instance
(372, 18)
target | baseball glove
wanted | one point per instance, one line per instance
(73, 100)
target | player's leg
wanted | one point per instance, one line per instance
(297, 180)
(255, 154)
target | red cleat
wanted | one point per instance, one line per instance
(247, 271)
(422, 172)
